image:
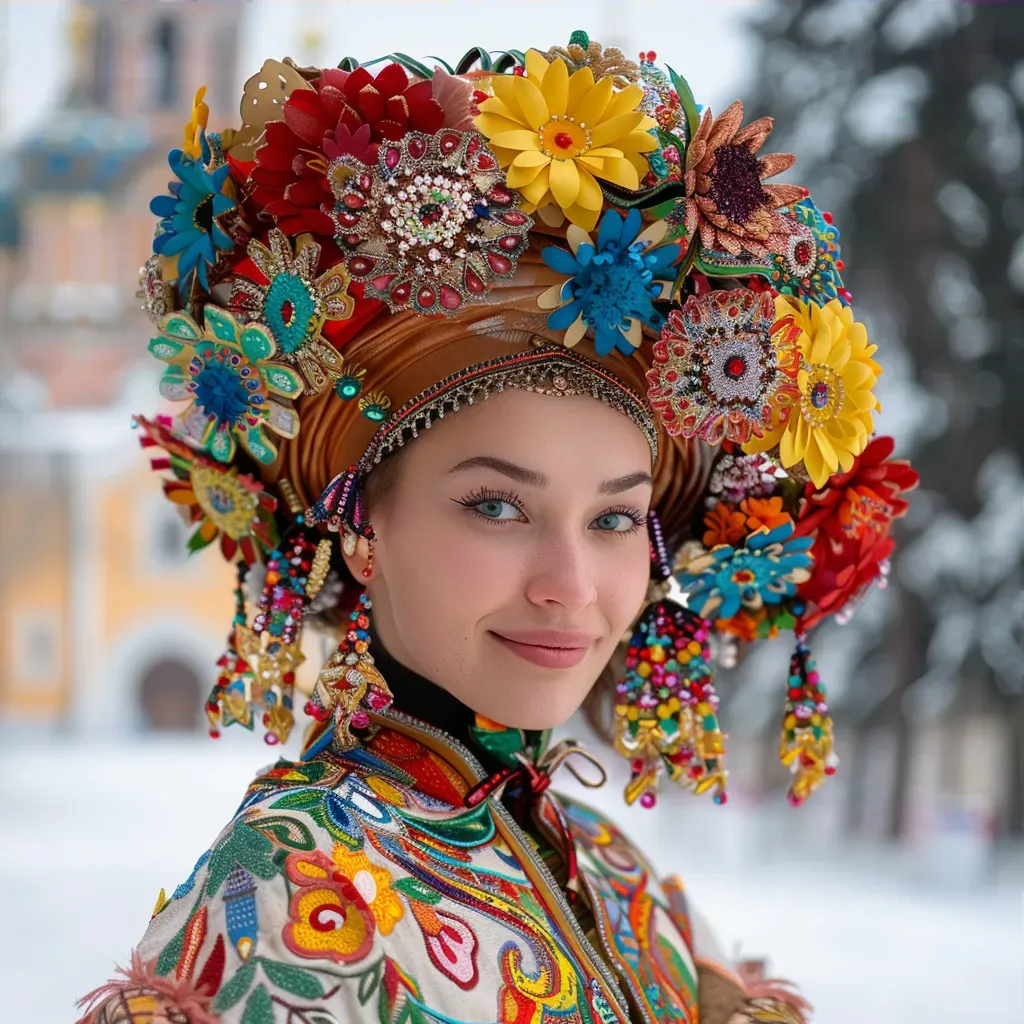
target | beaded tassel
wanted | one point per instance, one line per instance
(806, 741)
(349, 684)
(666, 706)
(228, 702)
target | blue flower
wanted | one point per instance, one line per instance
(188, 226)
(769, 567)
(612, 284)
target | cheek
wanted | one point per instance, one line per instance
(623, 585)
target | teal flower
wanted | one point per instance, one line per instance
(295, 303)
(769, 567)
(188, 216)
(227, 373)
(612, 285)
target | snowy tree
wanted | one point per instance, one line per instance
(907, 117)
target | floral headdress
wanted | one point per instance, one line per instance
(354, 192)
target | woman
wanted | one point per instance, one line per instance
(369, 255)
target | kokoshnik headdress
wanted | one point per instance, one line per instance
(566, 221)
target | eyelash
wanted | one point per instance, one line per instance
(474, 498)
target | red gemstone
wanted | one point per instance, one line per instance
(515, 218)
(400, 293)
(360, 266)
(473, 283)
(735, 367)
(802, 252)
(500, 196)
(450, 298)
(391, 157)
(426, 297)
(287, 312)
(509, 242)
(354, 201)
(563, 140)
(486, 162)
(448, 141)
(501, 265)
(417, 147)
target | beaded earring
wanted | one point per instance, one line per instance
(666, 706)
(350, 684)
(258, 667)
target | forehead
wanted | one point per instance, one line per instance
(574, 435)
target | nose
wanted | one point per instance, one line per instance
(562, 573)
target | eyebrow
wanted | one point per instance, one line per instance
(532, 478)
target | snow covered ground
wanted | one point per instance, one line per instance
(91, 832)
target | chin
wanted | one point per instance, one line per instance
(539, 699)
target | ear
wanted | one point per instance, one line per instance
(359, 560)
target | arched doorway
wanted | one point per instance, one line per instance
(170, 697)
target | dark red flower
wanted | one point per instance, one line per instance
(289, 177)
(850, 518)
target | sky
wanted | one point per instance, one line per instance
(699, 38)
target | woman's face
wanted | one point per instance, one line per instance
(512, 552)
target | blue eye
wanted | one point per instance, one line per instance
(496, 508)
(617, 522)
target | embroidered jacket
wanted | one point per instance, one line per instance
(360, 887)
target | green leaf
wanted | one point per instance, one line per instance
(287, 831)
(418, 68)
(299, 800)
(368, 982)
(414, 889)
(282, 380)
(222, 324)
(196, 542)
(180, 326)
(259, 1009)
(254, 852)
(236, 987)
(164, 348)
(293, 979)
(689, 104)
(169, 955)
(257, 344)
(258, 447)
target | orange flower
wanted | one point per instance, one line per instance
(766, 512)
(726, 201)
(724, 525)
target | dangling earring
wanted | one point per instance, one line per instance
(367, 570)
(348, 686)
(666, 706)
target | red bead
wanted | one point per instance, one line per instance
(734, 367)
(563, 140)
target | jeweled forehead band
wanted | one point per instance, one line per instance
(546, 370)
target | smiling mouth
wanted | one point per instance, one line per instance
(556, 653)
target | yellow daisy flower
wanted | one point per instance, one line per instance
(557, 134)
(831, 423)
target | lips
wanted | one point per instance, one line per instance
(549, 648)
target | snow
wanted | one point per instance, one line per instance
(93, 831)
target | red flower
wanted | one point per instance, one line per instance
(851, 516)
(290, 171)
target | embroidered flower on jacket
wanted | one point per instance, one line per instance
(719, 372)
(768, 568)
(189, 227)
(612, 284)
(294, 303)
(221, 501)
(290, 171)
(226, 371)
(373, 883)
(557, 134)
(830, 424)
(328, 918)
(727, 202)
(432, 225)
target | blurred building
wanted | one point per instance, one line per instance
(104, 623)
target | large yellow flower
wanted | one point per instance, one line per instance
(832, 422)
(557, 134)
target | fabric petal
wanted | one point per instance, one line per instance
(565, 182)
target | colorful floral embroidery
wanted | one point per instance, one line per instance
(720, 371)
(294, 303)
(558, 134)
(432, 225)
(612, 284)
(809, 266)
(227, 373)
